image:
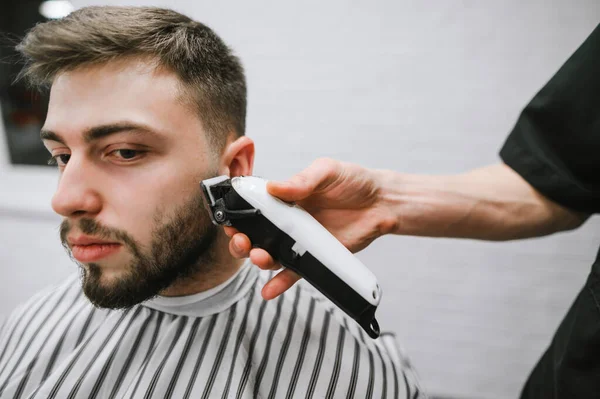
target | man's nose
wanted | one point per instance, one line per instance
(76, 194)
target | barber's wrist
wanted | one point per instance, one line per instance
(390, 200)
(418, 205)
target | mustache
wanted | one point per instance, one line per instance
(93, 228)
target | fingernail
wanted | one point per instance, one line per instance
(265, 292)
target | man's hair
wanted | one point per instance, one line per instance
(211, 76)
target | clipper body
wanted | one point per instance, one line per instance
(298, 241)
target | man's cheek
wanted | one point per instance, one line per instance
(137, 219)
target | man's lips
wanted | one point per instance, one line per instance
(88, 249)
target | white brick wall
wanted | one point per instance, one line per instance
(424, 87)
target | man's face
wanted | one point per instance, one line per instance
(131, 154)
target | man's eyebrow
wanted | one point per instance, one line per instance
(98, 132)
(50, 135)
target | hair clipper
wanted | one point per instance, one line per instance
(298, 241)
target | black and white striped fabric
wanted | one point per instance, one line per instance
(223, 343)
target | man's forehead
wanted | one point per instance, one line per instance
(129, 89)
(121, 75)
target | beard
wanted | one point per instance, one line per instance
(181, 246)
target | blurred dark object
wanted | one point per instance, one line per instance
(23, 110)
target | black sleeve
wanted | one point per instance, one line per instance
(555, 144)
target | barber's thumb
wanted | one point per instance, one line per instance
(295, 189)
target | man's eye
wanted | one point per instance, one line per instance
(60, 160)
(126, 154)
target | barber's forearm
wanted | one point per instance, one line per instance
(490, 203)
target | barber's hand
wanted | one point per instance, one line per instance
(344, 198)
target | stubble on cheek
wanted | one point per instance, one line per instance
(181, 246)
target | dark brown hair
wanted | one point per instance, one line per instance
(212, 77)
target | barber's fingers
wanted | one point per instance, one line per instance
(230, 231)
(263, 259)
(320, 174)
(239, 245)
(279, 284)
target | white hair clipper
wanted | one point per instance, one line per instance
(297, 241)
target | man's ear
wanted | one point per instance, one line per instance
(238, 157)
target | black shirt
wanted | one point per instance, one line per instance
(555, 146)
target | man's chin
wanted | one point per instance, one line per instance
(113, 288)
(103, 276)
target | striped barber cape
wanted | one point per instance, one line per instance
(227, 342)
